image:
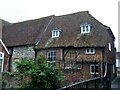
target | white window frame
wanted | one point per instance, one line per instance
(49, 55)
(85, 28)
(55, 33)
(113, 68)
(117, 62)
(109, 46)
(91, 51)
(2, 62)
(93, 65)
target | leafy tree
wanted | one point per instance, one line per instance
(36, 74)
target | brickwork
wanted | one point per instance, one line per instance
(78, 71)
(6, 60)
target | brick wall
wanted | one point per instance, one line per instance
(77, 72)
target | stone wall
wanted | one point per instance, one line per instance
(20, 53)
(23, 52)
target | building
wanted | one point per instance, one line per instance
(4, 53)
(118, 26)
(118, 63)
(21, 39)
(77, 43)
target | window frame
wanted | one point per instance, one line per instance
(90, 51)
(2, 61)
(50, 54)
(113, 66)
(93, 65)
(85, 28)
(110, 47)
(55, 33)
(51, 62)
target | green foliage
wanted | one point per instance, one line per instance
(36, 74)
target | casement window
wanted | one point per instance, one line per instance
(51, 56)
(55, 33)
(90, 51)
(85, 28)
(1, 61)
(94, 69)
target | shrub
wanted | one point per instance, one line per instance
(36, 74)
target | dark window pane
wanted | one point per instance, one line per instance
(52, 56)
(87, 50)
(0, 55)
(83, 28)
(96, 69)
(91, 50)
(87, 28)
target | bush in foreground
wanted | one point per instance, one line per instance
(36, 74)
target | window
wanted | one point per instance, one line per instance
(113, 68)
(55, 33)
(94, 69)
(51, 57)
(1, 61)
(85, 28)
(109, 47)
(90, 51)
(117, 63)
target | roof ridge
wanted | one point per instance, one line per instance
(32, 20)
(73, 13)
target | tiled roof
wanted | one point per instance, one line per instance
(39, 32)
(70, 32)
(5, 22)
(24, 33)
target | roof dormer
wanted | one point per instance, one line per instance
(85, 28)
(56, 32)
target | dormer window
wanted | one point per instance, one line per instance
(55, 33)
(90, 51)
(85, 28)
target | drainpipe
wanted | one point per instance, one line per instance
(10, 60)
(35, 50)
(105, 70)
(106, 66)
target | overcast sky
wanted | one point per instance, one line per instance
(106, 11)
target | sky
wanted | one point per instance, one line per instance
(105, 11)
